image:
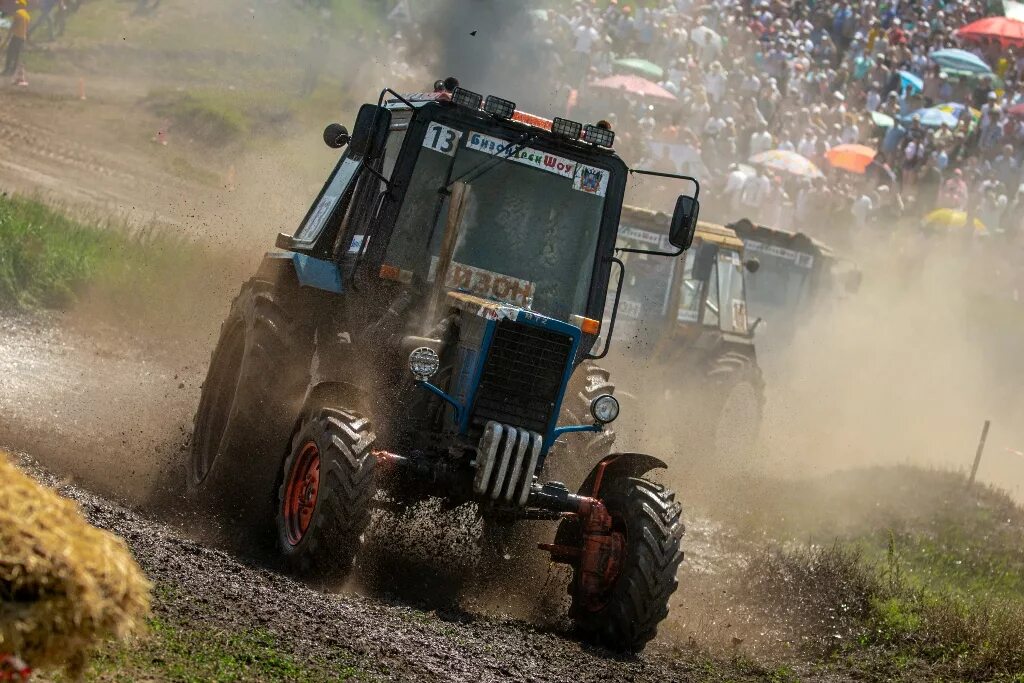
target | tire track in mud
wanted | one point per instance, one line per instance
(384, 639)
(88, 407)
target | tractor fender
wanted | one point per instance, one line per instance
(619, 465)
(333, 394)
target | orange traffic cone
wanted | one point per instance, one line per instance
(81, 89)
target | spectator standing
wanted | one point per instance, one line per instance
(16, 43)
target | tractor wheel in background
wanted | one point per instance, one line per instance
(735, 403)
(574, 455)
(641, 577)
(248, 407)
(327, 487)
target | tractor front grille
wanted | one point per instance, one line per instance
(522, 376)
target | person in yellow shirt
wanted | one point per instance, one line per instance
(17, 38)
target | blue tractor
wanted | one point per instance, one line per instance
(420, 335)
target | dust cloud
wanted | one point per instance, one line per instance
(904, 371)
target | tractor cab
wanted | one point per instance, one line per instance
(489, 234)
(703, 293)
(690, 337)
(798, 275)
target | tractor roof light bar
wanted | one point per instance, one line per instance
(566, 128)
(467, 98)
(597, 135)
(498, 107)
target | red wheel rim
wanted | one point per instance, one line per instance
(301, 492)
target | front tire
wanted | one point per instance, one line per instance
(626, 616)
(327, 487)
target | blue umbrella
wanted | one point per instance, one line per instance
(908, 79)
(932, 117)
(961, 60)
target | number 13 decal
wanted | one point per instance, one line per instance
(442, 139)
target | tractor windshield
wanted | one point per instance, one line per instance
(530, 224)
(780, 286)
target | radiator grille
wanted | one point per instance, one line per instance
(522, 376)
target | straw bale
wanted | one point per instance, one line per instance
(64, 584)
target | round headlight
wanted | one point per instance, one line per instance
(605, 409)
(424, 363)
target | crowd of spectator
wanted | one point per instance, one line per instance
(751, 76)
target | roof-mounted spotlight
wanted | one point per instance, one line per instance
(596, 135)
(467, 98)
(495, 106)
(566, 128)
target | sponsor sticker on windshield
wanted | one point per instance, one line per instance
(442, 139)
(552, 163)
(490, 285)
(590, 180)
(800, 258)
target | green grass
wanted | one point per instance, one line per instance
(50, 259)
(928, 584)
(46, 258)
(209, 116)
(176, 652)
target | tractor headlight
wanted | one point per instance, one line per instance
(605, 408)
(424, 363)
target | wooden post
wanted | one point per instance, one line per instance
(981, 449)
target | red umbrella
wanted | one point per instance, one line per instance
(634, 85)
(1003, 29)
(1016, 110)
(853, 158)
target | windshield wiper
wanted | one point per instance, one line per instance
(478, 170)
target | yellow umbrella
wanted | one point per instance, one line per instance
(950, 219)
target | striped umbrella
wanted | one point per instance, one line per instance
(787, 162)
(960, 60)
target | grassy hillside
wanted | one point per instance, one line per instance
(894, 573)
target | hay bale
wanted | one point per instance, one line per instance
(64, 584)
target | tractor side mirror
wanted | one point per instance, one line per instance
(684, 222)
(752, 265)
(370, 131)
(336, 136)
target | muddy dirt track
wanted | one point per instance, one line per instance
(385, 639)
(106, 413)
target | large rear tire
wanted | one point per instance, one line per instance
(734, 404)
(327, 487)
(627, 616)
(249, 404)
